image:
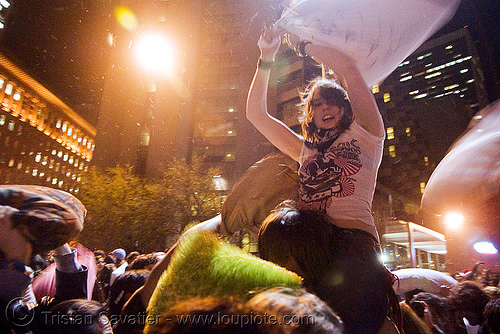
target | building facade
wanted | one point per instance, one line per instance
(200, 108)
(42, 140)
(426, 103)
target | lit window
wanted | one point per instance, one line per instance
(84, 142)
(58, 123)
(70, 130)
(426, 161)
(390, 133)
(408, 131)
(2, 120)
(406, 62)
(8, 89)
(449, 47)
(451, 87)
(422, 187)
(45, 160)
(38, 157)
(59, 154)
(375, 89)
(432, 75)
(1, 83)
(11, 126)
(392, 151)
(465, 70)
(387, 97)
(19, 165)
(42, 174)
(65, 157)
(406, 78)
(420, 96)
(54, 180)
(64, 127)
(34, 172)
(423, 56)
(70, 160)
(11, 162)
(17, 95)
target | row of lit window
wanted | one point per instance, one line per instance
(46, 162)
(217, 105)
(390, 132)
(215, 129)
(407, 62)
(35, 172)
(37, 115)
(392, 154)
(408, 76)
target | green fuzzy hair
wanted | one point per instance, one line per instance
(204, 266)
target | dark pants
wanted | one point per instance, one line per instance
(356, 284)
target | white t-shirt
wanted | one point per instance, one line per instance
(341, 180)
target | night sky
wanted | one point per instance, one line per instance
(63, 44)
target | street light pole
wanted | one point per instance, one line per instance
(155, 54)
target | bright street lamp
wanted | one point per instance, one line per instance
(155, 53)
(454, 220)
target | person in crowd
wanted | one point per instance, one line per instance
(434, 311)
(467, 301)
(17, 313)
(143, 261)
(33, 220)
(123, 287)
(492, 316)
(297, 310)
(76, 316)
(412, 323)
(121, 262)
(103, 277)
(335, 264)
(277, 310)
(340, 148)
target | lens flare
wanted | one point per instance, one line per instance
(126, 18)
(485, 247)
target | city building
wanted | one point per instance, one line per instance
(148, 119)
(426, 104)
(42, 140)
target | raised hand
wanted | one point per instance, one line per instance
(269, 43)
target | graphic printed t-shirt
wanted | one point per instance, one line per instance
(340, 181)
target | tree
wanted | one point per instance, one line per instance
(124, 210)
